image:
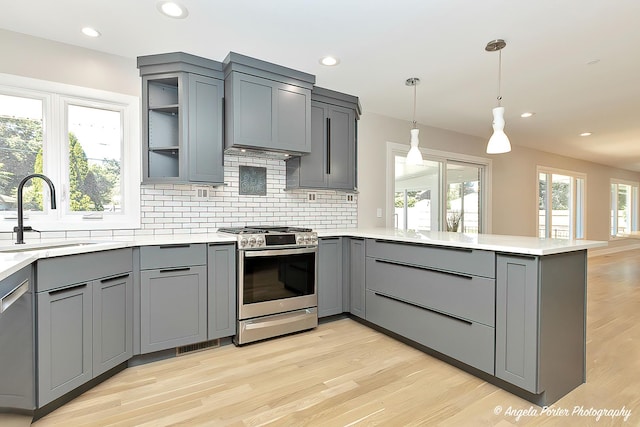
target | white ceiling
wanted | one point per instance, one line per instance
(381, 43)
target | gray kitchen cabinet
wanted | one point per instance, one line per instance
(173, 296)
(540, 323)
(112, 322)
(84, 319)
(182, 110)
(332, 163)
(221, 291)
(435, 297)
(267, 106)
(65, 341)
(329, 276)
(357, 300)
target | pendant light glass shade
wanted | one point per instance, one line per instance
(414, 156)
(499, 142)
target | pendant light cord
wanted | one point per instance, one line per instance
(415, 87)
(499, 75)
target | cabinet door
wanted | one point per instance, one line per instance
(313, 166)
(221, 291)
(517, 321)
(269, 115)
(64, 341)
(173, 307)
(205, 143)
(357, 277)
(341, 144)
(329, 276)
(112, 322)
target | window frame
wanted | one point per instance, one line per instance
(55, 97)
(394, 149)
(635, 189)
(574, 226)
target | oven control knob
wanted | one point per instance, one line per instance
(300, 240)
(260, 241)
(314, 239)
(252, 241)
(243, 242)
(307, 239)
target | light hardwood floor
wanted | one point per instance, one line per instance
(344, 374)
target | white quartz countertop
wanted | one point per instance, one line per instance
(492, 242)
(14, 257)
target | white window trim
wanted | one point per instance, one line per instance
(635, 209)
(54, 95)
(395, 149)
(572, 174)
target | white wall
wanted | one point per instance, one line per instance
(514, 203)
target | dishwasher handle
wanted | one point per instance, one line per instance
(13, 296)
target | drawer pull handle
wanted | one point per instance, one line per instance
(186, 245)
(173, 270)
(425, 308)
(13, 296)
(449, 248)
(70, 288)
(111, 279)
(418, 267)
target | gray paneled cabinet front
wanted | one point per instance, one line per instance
(357, 301)
(221, 290)
(84, 319)
(331, 164)
(329, 276)
(173, 296)
(182, 98)
(540, 323)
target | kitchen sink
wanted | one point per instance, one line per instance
(42, 246)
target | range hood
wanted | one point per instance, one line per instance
(267, 108)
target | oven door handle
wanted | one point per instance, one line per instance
(279, 252)
(285, 319)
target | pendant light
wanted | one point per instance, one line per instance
(414, 157)
(499, 142)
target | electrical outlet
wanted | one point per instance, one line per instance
(350, 198)
(201, 192)
(311, 197)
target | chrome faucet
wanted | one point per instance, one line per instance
(20, 228)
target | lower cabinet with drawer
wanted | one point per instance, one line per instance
(173, 296)
(442, 298)
(84, 319)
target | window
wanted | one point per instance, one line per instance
(624, 207)
(448, 192)
(561, 204)
(85, 140)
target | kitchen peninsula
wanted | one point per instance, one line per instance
(508, 309)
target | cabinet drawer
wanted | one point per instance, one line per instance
(465, 296)
(459, 260)
(468, 342)
(55, 272)
(164, 256)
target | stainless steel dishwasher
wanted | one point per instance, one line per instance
(17, 363)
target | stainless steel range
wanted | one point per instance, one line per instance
(277, 278)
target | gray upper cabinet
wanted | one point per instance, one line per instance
(267, 106)
(182, 98)
(332, 161)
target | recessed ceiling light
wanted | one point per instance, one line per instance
(173, 9)
(526, 115)
(329, 61)
(593, 62)
(585, 134)
(90, 32)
